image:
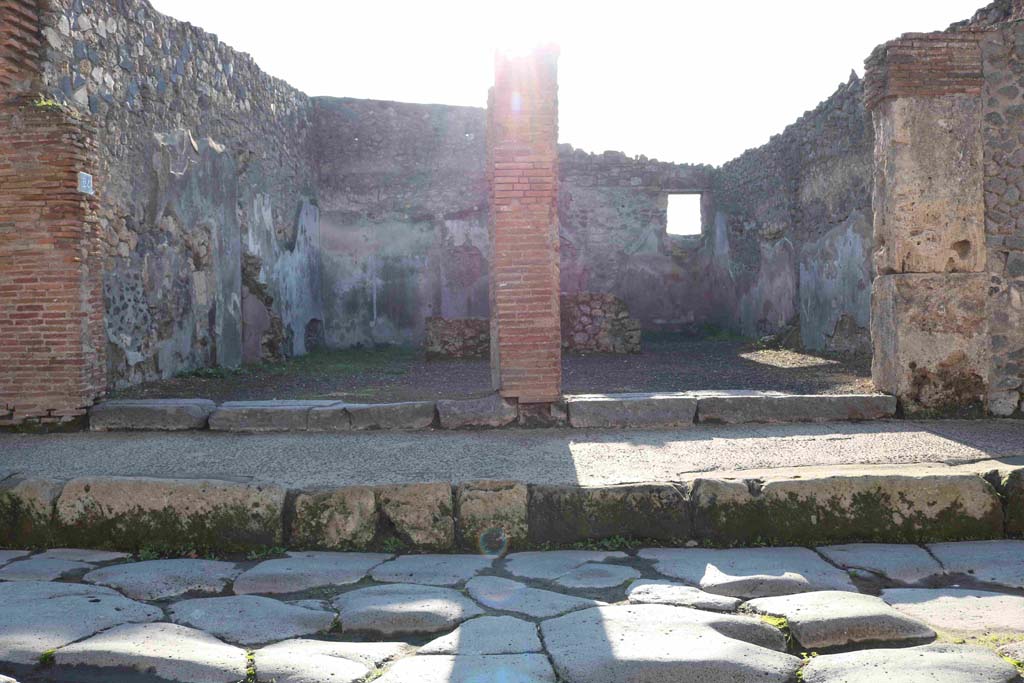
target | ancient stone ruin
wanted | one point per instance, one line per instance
(167, 206)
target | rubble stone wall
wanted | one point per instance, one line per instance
(201, 158)
(598, 323)
(792, 228)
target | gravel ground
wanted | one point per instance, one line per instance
(392, 374)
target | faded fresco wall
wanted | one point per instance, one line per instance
(203, 160)
(795, 218)
(403, 201)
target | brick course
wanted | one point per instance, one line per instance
(522, 162)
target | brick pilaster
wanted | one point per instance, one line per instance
(20, 47)
(522, 151)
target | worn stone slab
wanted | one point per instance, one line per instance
(404, 608)
(335, 519)
(41, 616)
(421, 514)
(1013, 487)
(41, 569)
(305, 570)
(825, 619)
(996, 562)
(774, 408)
(569, 514)
(749, 572)
(487, 636)
(433, 570)
(322, 656)
(932, 347)
(162, 579)
(409, 415)
(491, 411)
(250, 619)
(7, 679)
(141, 512)
(936, 663)
(8, 555)
(824, 506)
(265, 416)
(308, 661)
(170, 651)
(549, 565)
(511, 596)
(661, 643)
(597, 576)
(658, 592)
(26, 510)
(171, 414)
(960, 611)
(907, 564)
(492, 515)
(1014, 651)
(83, 555)
(632, 410)
(526, 668)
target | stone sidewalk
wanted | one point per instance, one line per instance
(942, 613)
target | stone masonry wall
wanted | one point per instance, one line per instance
(598, 323)
(403, 196)
(1003, 108)
(792, 227)
(202, 157)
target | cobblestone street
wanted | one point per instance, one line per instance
(942, 613)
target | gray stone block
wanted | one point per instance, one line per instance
(937, 663)
(410, 415)
(265, 416)
(632, 410)
(153, 414)
(490, 411)
(744, 407)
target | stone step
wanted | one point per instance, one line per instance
(625, 411)
(796, 506)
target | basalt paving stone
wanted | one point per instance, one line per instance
(959, 611)
(307, 661)
(83, 555)
(170, 651)
(8, 555)
(511, 596)
(323, 654)
(162, 579)
(1014, 651)
(926, 664)
(39, 616)
(907, 564)
(487, 636)
(662, 643)
(549, 565)
(527, 668)
(41, 569)
(250, 619)
(304, 570)
(835, 618)
(997, 562)
(595, 576)
(7, 679)
(404, 608)
(433, 570)
(657, 592)
(750, 572)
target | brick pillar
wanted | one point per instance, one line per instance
(52, 341)
(929, 325)
(526, 353)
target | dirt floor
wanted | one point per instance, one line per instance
(393, 374)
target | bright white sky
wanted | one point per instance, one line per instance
(677, 80)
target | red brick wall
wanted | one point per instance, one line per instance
(51, 307)
(925, 65)
(523, 175)
(19, 46)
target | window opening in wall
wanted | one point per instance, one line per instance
(684, 217)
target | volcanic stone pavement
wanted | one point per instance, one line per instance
(943, 613)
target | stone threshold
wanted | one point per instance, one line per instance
(799, 506)
(653, 410)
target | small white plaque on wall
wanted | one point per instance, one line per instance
(85, 183)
